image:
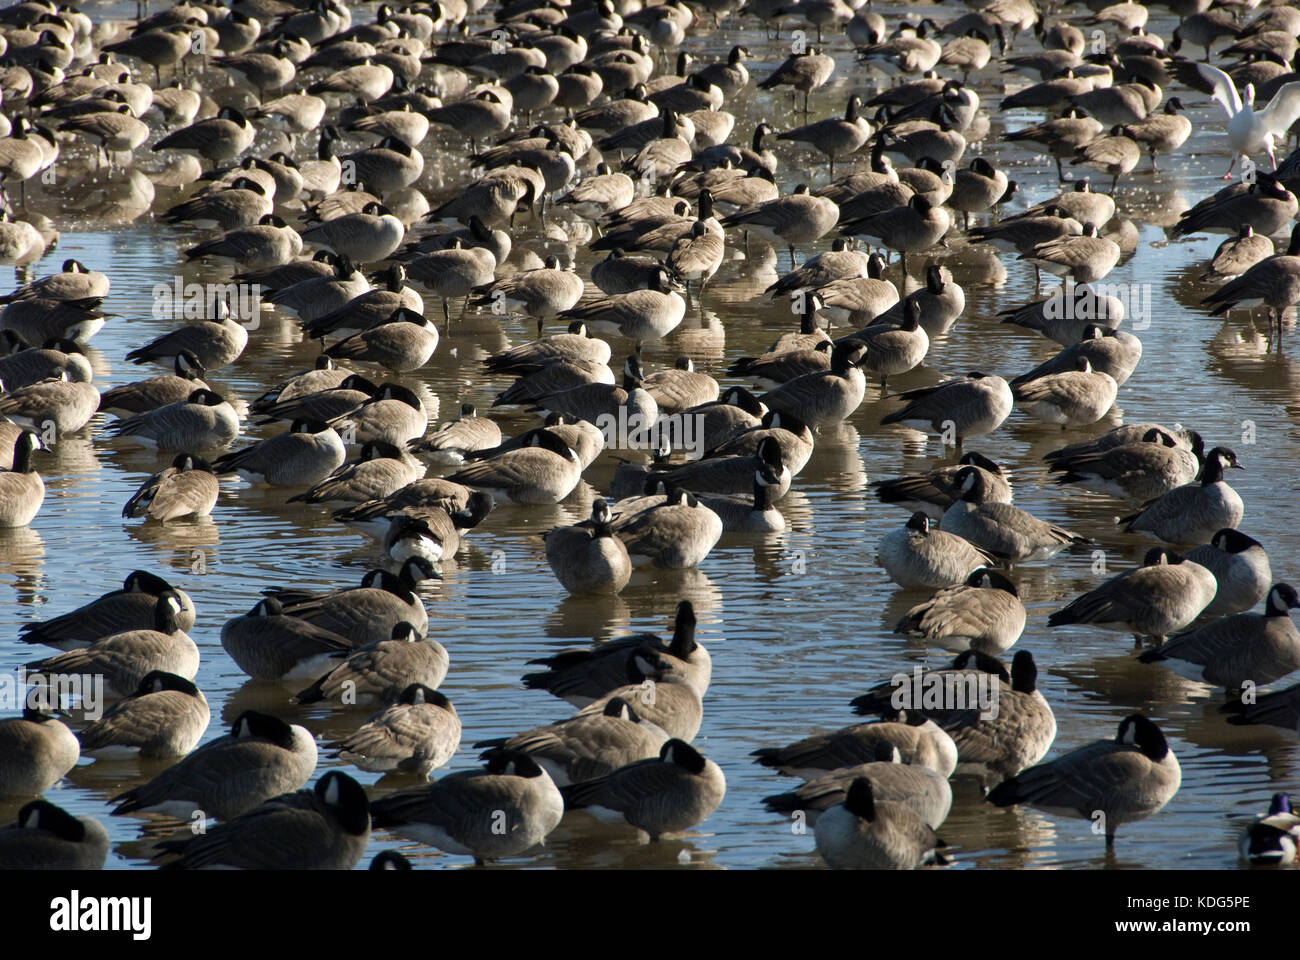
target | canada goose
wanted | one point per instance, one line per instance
(39, 319)
(479, 117)
(958, 409)
(163, 47)
(908, 50)
(268, 243)
(773, 369)
(1272, 838)
(804, 71)
(1238, 254)
(546, 470)
(824, 398)
(452, 441)
(188, 487)
(675, 532)
(1161, 597)
(73, 282)
(918, 739)
(268, 645)
(602, 193)
(38, 750)
(324, 375)
(1070, 398)
(21, 158)
(1067, 320)
(1085, 259)
(941, 301)
(833, 137)
(1125, 779)
(1005, 531)
(984, 613)
(979, 187)
(325, 828)
(326, 404)
(574, 344)
(408, 125)
(595, 402)
(260, 758)
(130, 608)
(365, 237)
(1061, 135)
(304, 455)
(241, 203)
(662, 689)
(57, 403)
(214, 343)
(22, 491)
(124, 659)
(1113, 352)
(202, 421)
(423, 498)
(639, 315)
(665, 794)
(540, 294)
(1115, 153)
(1193, 512)
(1273, 282)
(403, 342)
(319, 295)
(584, 676)
(1240, 649)
(369, 613)
(916, 555)
(1249, 131)
(893, 350)
(798, 217)
(853, 300)
(1162, 132)
(1266, 204)
(918, 787)
(452, 273)
(588, 557)
(111, 131)
(1081, 204)
(387, 167)
(1140, 471)
(838, 263)
(298, 112)
(750, 514)
(863, 834)
(503, 810)
(380, 469)
(165, 717)
(1240, 567)
(46, 837)
(394, 415)
(936, 490)
(588, 746)
(417, 734)
(999, 742)
(913, 228)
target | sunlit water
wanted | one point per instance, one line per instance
(797, 623)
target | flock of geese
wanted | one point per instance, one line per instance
(293, 137)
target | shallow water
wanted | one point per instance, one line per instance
(797, 623)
